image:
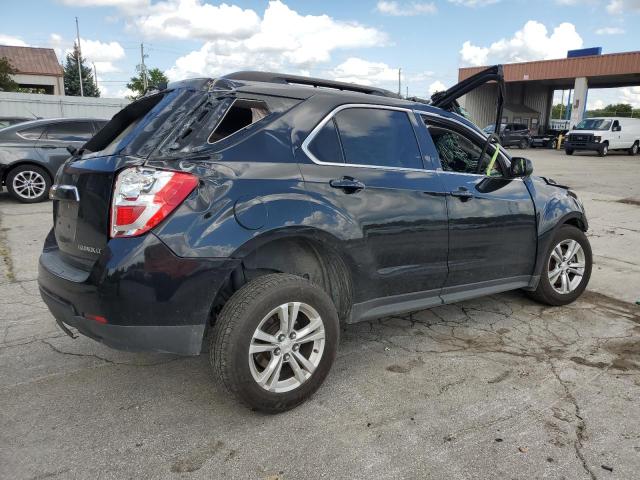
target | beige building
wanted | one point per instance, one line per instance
(35, 68)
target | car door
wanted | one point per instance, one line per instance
(616, 136)
(364, 164)
(52, 145)
(492, 227)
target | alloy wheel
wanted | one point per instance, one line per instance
(286, 347)
(29, 184)
(566, 266)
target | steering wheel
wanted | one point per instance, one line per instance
(492, 138)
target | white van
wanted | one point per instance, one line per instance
(602, 134)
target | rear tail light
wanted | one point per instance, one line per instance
(143, 197)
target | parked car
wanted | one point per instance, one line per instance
(512, 134)
(549, 139)
(257, 214)
(8, 121)
(31, 152)
(603, 134)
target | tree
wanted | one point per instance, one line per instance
(614, 110)
(560, 111)
(6, 82)
(155, 78)
(71, 80)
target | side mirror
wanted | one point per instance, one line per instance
(616, 128)
(521, 167)
(72, 150)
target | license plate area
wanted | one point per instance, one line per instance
(66, 221)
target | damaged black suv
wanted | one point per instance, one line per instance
(259, 211)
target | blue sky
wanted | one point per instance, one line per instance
(360, 41)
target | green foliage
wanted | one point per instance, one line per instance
(6, 82)
(71, 80)
(155, 78)
(615, 110)
(559, 111)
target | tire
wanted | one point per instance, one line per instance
(604, 150)
(554, 144)
(523, 144)
(547, 291)
(17, 183)
(568, 151)
(634, 149)
(247, 312)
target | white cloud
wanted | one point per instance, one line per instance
(620, 7)
(395, 9)
(610, 31)
(364, 72)
(194, 19)
(103, 54)
(12, 41)
(532, 42)
(436, 86)
(283, 39)
(474, 3)
(630, 95)
(595, 104)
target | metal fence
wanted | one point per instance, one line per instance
(54, 106)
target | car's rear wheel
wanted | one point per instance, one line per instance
(554, 144)
(274, 342)
(28, 183)
(567, 268)
(523, 144)
(634, 149)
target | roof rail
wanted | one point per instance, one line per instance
(270, 77)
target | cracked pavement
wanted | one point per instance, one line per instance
(497, 387)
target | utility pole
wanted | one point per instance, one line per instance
(79, 56)
(143, 68)
(95, 74)
(407, 95)
(399, 82)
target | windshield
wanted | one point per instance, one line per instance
(594, 124)
(492, 128)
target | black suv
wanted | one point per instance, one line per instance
(512, 134)
(259, 211)
(31, 153)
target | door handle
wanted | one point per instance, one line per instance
(348, 184)
(48, 146)
(462, 193)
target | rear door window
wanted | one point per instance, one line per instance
(325, 146)
(378, 137)
(70, 131)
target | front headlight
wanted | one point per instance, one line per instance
(597, 139)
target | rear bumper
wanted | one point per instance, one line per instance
(151, 299)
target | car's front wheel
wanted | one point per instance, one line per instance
(28, 183)
(568, 151)
(523, 144)
(604, 150)
(274, 342)
(567, 268)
